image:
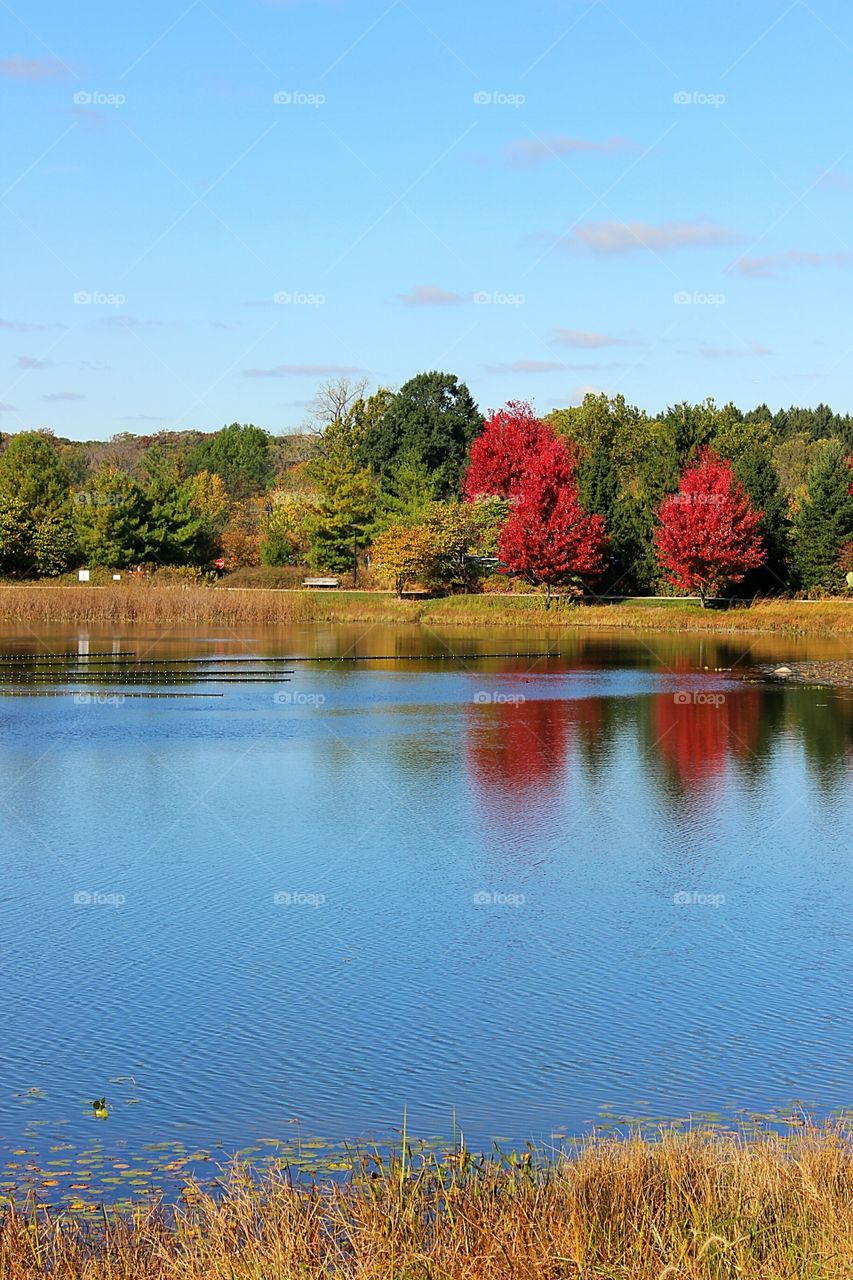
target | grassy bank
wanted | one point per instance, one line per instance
(686, 1207)
(173, 605)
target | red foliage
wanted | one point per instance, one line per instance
(708, 533)
(514, 746)
(548, 536)
(698, 733)
(511, 439)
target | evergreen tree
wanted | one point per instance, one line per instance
(240, 455)
(405, 494)
(749, 448)
(111, 518)
(342, 523)
(824, 520)
(431, 421)
(176, 532)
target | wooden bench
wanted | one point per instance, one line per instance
(319, 582)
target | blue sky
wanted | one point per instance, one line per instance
(626, 195)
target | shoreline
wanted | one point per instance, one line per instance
(174, 605)
(697, 1204)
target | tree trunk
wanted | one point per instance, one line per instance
(547, 595)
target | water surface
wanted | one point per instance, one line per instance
(533, 893)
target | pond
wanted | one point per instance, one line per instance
(513, 896)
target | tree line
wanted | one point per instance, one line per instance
(422, 487)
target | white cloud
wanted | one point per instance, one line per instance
(589, 340)
(525, 152)
(614, 237)
(580, 393)
(23, 326)
(732, 353)
(31, 69)
(430, 295)
(32, 362)
(766, 267)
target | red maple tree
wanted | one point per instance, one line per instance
(708, 533)
(549, 538)
(510, 440)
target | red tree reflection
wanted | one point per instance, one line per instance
(696, 732)
(513, 748)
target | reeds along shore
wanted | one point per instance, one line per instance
(694, 1207)
(173, 605)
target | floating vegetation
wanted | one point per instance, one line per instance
(697, 1205)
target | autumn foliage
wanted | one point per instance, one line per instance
(404, 552)
(708, 533)
(549, 538)
(512, 439)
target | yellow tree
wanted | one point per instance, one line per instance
(209, 499)
(406, 552)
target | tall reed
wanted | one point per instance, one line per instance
(172, 605)
(684, 1207)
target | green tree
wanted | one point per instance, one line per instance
(406, 493)
(749, 448)
(34, 546)
(627, 465)
(456, 529)
(824, 521)
(32, 470)
(112, 517)
(241, 455)
(342, 523)
(16, 534)
(794, 458)
(430, 422)
(54, 543)
(284, 538)
(177, 532)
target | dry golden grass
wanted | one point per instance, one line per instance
(694, 1207)
(176, 604)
